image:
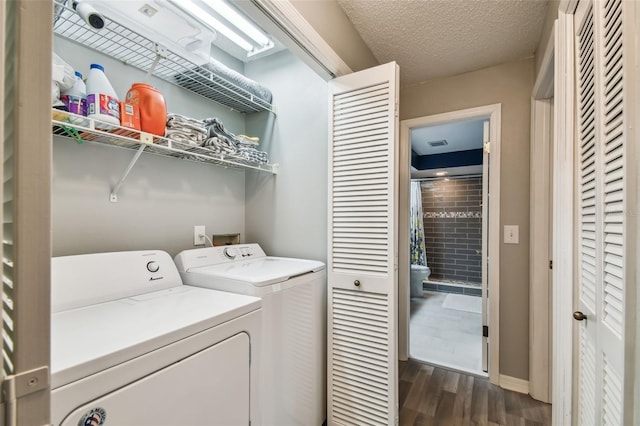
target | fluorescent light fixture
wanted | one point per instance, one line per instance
(209, 20)
(442, 173)
(239, 21)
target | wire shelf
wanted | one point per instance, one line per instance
(83, 129)
(128, 46)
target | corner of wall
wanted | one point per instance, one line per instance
(546, 33)
(330, 21)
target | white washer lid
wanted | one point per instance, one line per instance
(93, 338)
(260, 271)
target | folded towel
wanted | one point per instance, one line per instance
(185, 130)
(179, 121)
(252, 154)
(216, 128)
(251, 140)
(182, 137)
(220, 145)
(240, 85)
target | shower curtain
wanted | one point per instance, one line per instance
(416, 238)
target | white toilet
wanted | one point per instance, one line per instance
(418, 274)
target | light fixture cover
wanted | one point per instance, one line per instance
(237, 20)
(206, 18)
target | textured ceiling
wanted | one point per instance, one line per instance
(437, 38)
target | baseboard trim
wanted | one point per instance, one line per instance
(514, 384)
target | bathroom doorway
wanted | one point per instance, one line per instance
(449, 314)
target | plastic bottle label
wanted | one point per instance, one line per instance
(74, 104)
(103, 104)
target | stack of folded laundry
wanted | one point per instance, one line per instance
(186, 130)
(211, 134)
(247, 149)
(220, 145)
(221, 141)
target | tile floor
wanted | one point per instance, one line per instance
(447, 337)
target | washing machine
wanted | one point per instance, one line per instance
(132, 345)
(293, 293)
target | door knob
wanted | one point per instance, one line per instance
(356, 283)
(579, 316)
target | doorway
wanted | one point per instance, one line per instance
(455, 298)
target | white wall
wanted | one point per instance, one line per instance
(287, 213)
(161, 200)
(157, 207)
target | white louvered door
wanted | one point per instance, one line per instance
(587, 212)
(601, 189)
(362, 252)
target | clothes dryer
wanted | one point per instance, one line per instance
(132, 345)
(293, 292)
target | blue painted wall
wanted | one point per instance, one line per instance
(472, 157)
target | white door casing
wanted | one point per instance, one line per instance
(493, 112)
(540, 270)
(486, 150)
(362, 248)
(26, 33)
(563, 219)
(541, 231)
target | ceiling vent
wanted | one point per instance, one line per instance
(442, 142)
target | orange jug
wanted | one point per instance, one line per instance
(153, 109)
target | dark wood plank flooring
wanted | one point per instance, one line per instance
(435, 396)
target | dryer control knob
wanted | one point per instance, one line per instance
(153, 266)
(229, 253)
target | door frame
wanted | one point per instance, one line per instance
(563, 217)
(541, 234)
(26, 150)
(493, 113)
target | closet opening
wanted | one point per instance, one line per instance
(452, 236)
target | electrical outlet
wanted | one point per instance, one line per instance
(199, 240)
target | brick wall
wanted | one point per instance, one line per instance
(452, 211)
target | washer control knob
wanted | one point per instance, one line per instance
(229, 253)
(153, 266)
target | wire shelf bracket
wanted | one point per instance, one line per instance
(113, 197)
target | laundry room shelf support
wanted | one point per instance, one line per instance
(113, 197)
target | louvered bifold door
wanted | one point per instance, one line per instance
(588, 254)
(7, 131)
(602, 220)
(362, 257)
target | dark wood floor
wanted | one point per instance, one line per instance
(434, 396)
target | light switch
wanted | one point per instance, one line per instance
(511, 234)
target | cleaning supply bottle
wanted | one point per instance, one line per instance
(153, 109)
(75, 98)
(102, 100)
